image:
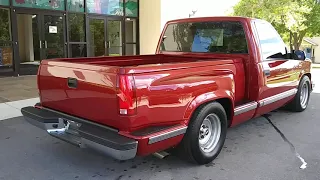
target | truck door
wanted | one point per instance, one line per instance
(280, 75)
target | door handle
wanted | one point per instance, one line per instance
(267, 72)
(45, 44)
(72, 83)
(40, 44)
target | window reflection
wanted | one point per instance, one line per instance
(5, 54)
(115, 38)
(131, 27)
(75, 5)
(76, 28)
(5, 31)
(4, 2)
(131, 49)
(52, 4)
(131, 8)
(270, 41)
(215, 37)
(110, 7)
(78, 50)
(97, 37)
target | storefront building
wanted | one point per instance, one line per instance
(32, 30)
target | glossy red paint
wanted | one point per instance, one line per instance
(187, 85)
(239, 119)
(144, 148)
(169, 86)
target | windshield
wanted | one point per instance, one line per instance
(209, 37)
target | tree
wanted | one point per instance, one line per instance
(293, 19)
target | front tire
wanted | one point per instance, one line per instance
(301, 100)
(206, 133)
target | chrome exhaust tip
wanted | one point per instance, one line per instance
(161, 155)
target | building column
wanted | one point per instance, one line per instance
(149, 25)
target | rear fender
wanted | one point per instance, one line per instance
(207, 98)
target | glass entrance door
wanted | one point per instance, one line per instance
(97, 37)
(6, 51)
(40, 36)
(29, 42)
(115, 38)
(105, 36)
(53, 44)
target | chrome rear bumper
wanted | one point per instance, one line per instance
(82, 133)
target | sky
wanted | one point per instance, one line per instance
(213, 7)
(176, 9)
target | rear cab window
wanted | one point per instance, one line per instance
(226, 37)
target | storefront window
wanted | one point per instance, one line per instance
(131, 33)
(110, 7)
(131, 8)
(41, 4)
(131, 49)
(115, 37)
(4, 2)
(5, 30)
(5, 54)
(78, 50)
(131, 36)
(76, 28)
(75, 5)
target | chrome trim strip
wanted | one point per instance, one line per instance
(245, 108)
(167, 135)
(277, 97)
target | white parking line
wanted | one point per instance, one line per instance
(12, 109)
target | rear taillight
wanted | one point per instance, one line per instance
(126, 95)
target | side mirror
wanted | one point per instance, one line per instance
(162, 43)
(163, 38)
(300, 55)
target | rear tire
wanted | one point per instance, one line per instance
(301, 100)
(206, 134)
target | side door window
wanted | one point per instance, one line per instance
(279, 71)
(272, 46)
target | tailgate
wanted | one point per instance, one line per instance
(82, 90)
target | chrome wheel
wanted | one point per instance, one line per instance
(304, 95)
(209, 133)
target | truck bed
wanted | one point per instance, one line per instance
(95, 96)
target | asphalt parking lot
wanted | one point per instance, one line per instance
(253, 150)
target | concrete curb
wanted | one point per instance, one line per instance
(12, 109)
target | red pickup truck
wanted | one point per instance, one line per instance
(208, 74)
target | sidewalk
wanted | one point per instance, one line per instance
(15, 93)
(18, 88)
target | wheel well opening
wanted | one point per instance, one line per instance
(227, 105)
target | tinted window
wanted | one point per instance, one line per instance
(212, 37)
(76, 28)
(271, 43)
(5, 31)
